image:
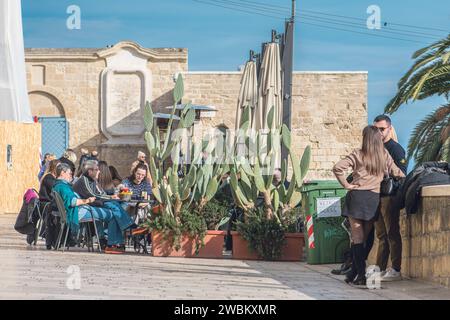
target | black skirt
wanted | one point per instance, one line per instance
(361, 205)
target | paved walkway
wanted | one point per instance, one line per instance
(28, 272)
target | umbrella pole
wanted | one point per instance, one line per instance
(287, 65)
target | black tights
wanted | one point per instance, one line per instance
(360, 230)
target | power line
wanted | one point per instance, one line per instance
(353, 31)
(327, 20)
(340, 16)
(360, 26)
(307, 23)
(231, 8)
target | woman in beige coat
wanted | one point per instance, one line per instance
(370, 165)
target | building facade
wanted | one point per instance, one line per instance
(93, 98)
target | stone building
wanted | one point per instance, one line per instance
(93, 98)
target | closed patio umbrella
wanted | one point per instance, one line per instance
(270, 96)
(248, 92)
(270, 88)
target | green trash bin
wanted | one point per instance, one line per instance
(325, 237)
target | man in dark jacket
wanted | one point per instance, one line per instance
(387, 227)
(86, 186)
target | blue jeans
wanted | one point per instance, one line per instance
(120, 215)
(115, 236)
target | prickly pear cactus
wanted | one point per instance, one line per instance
(199, 183)
(249, 181)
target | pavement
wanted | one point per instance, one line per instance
(32, 272)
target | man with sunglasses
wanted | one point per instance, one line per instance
(387, 227)
(87, 187)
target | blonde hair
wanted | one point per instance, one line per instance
(69, 154)
(393, 134)
(373, 152)
(141, 154)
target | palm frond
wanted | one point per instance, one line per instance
(429, 75)
(430, 140)
(436, 45)
(445, 151)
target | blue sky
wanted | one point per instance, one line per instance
(219, 38)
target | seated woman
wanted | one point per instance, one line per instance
(105, 180)
(141, 160)
(45, 196)
(141, 188)
(78, 209)
(45, 164)
(47, 181)
(137, 182)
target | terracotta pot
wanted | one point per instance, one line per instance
(214, 241)
(163, 248)
(292, 251)
(241, 249)
(295, 244)
(156, 209)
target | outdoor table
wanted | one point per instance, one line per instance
(132, 203)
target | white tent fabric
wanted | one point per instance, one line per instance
(14, 104)
(248, 92)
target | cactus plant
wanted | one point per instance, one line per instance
(200, 183)
(248, 180)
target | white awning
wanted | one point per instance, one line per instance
(195, 107)
(165, 116)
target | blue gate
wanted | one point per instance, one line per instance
(55, 135)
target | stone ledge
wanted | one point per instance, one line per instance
(436, 191)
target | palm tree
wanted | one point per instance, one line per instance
(429, 76)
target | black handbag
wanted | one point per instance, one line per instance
(388, 186)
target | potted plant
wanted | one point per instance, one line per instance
(215, 215)
(178, 228)
(268, 205)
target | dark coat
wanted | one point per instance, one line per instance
(87, 187)
(427, 174)
(24, 222)
(45, 190)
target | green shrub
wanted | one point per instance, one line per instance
(266, 236)
(216, 214)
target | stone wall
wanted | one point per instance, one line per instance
(329, 110)
(71, 90)
(68, 83)
(426, 238)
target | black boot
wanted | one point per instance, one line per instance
(350, 276)
(360, 262)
